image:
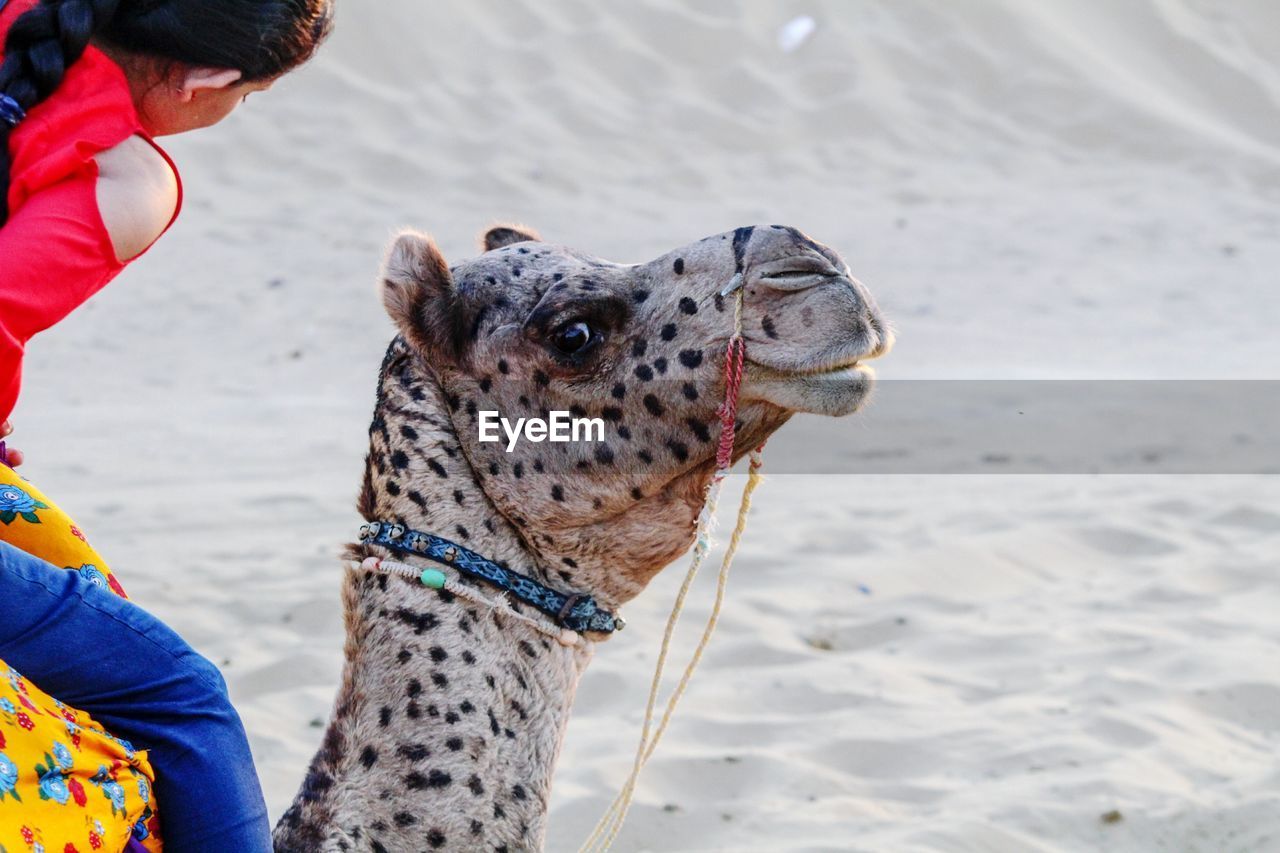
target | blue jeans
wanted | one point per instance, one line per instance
(154, 691)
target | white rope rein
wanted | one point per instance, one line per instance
(610, 824)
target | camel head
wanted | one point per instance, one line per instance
(528, 328)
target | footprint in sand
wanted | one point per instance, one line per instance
(1249, 518)
(1126, 543)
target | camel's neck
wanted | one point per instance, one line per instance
(450, 715)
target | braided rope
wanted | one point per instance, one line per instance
(542, 625)
(610, 824)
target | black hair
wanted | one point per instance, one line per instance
(260, 38)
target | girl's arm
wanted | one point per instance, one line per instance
(68, 240)
(110, 658)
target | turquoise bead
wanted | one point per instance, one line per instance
(433, 578)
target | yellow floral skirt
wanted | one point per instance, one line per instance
(66, 785)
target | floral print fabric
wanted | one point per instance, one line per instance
(66, 785)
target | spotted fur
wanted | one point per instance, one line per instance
(449, 718)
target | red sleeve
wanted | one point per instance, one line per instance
(54, 254)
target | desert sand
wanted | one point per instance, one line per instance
(968, 662)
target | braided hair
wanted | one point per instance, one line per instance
(261, 38)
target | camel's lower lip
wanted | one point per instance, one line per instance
(847, 369)
(833, 390)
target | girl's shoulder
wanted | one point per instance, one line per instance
(138, 195)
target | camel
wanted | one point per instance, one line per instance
(452, 708)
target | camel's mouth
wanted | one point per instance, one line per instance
(834, 390)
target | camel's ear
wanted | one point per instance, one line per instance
(505, 235)
(418, 293)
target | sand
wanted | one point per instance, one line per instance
(1033, 191)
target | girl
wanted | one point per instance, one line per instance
(85, 86)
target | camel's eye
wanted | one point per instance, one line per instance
(572, 338)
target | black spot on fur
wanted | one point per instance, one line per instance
(654, 406)
(644, 372)
(399, 460)
(688, 306)
(619, 391)
(486, 384)
(519, 792)
(409, 432)
(518, 470)
(640, 296)
(454, 743)
(476, 786)
(503, 367)
(439, 679)
(690, 392)
(624, 433)
(699, 429)
(436, 839)
(603, 454)
(384, 716)
(413, 752)
(528, 649)
(678, 266)
(434, 779)
(420, 622)
(368, 757)
(541, 378)
(637, 494)
(691, 358)
(679, 450)
(769, 328)
(646, 457)
(438, 654)
(611, 413)
(557, 493)
(414, 690)
(669, 332)
(403, 819)
(405, 655)
(438, 469)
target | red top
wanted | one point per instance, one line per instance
(55, 251)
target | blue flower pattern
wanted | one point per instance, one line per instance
(62, 755)
(15, 503)
(93, 575)
(8, 778)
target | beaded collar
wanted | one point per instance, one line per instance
(577, 612)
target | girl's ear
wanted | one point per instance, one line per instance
(200, 78)
(418, 293)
